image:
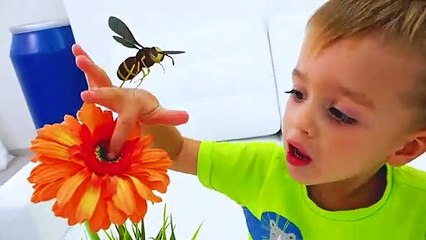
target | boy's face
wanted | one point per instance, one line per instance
(345, 118)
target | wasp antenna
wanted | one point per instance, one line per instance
(173, 61)
(162, 68)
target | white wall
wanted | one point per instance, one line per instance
(89, 25)
(13, 107)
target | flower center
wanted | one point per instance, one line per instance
(101, 154)
(97, 160)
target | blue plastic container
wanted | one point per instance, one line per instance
(45, 66)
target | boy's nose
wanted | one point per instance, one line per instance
(304, 121)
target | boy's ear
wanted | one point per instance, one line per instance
(410, 151)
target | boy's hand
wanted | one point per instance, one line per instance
(130, 104)
(96, 77)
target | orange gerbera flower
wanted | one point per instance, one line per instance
(75, 171)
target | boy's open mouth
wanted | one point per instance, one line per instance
(297, 157)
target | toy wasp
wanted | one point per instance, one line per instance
(144, 58)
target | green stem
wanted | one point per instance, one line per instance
(92, 235)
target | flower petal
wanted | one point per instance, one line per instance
(89, 201)
(46, 191)
(124, 197)
(100, 220)
(154, 156)
(115, 215)
(160, 186)
(45, 173)
(54, 161)
(72, 123)
(70, 186)
(59, 133)
(146, 139)
(103, 132)
(155, 176)
(140, 211)
(143, 190)
(93, 116)
(69, 209)
(50, 149)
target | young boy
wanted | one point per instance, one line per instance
(356, 117)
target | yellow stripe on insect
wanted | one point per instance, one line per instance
(138, 67)
(125, 67)
(121, 75)
(130, 72)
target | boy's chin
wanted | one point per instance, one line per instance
(304, 178)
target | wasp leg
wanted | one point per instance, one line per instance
(144, 75)
(140, 81)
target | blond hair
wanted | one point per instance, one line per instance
(401, 21)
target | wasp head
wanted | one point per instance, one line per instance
(156, 54)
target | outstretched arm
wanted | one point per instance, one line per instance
(138, 105)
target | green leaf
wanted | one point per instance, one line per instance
(196, 233)
(172, 236)
(120, 232)
(142, 230)
(127, 235)
(159, 235)
(92, 235)
(136, 232)
(109, 235)
(164, 223)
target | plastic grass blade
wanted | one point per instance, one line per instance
(110, 236)
(196, 233)
(142, 230)
(164, 222)
(172, 236)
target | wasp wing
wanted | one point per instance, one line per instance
(125, 42)
(173, 52)
(121, 29)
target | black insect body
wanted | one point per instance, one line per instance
(144, 58)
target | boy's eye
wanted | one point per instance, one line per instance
(340, 116)
(297, 94)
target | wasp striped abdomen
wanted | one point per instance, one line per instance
(129, 68)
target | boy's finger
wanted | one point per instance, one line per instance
(78, 50)
(112, 98)
(166, 117)
(107, 97)
(96, 77)
(123, 127)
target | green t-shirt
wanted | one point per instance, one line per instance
(254, 174)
